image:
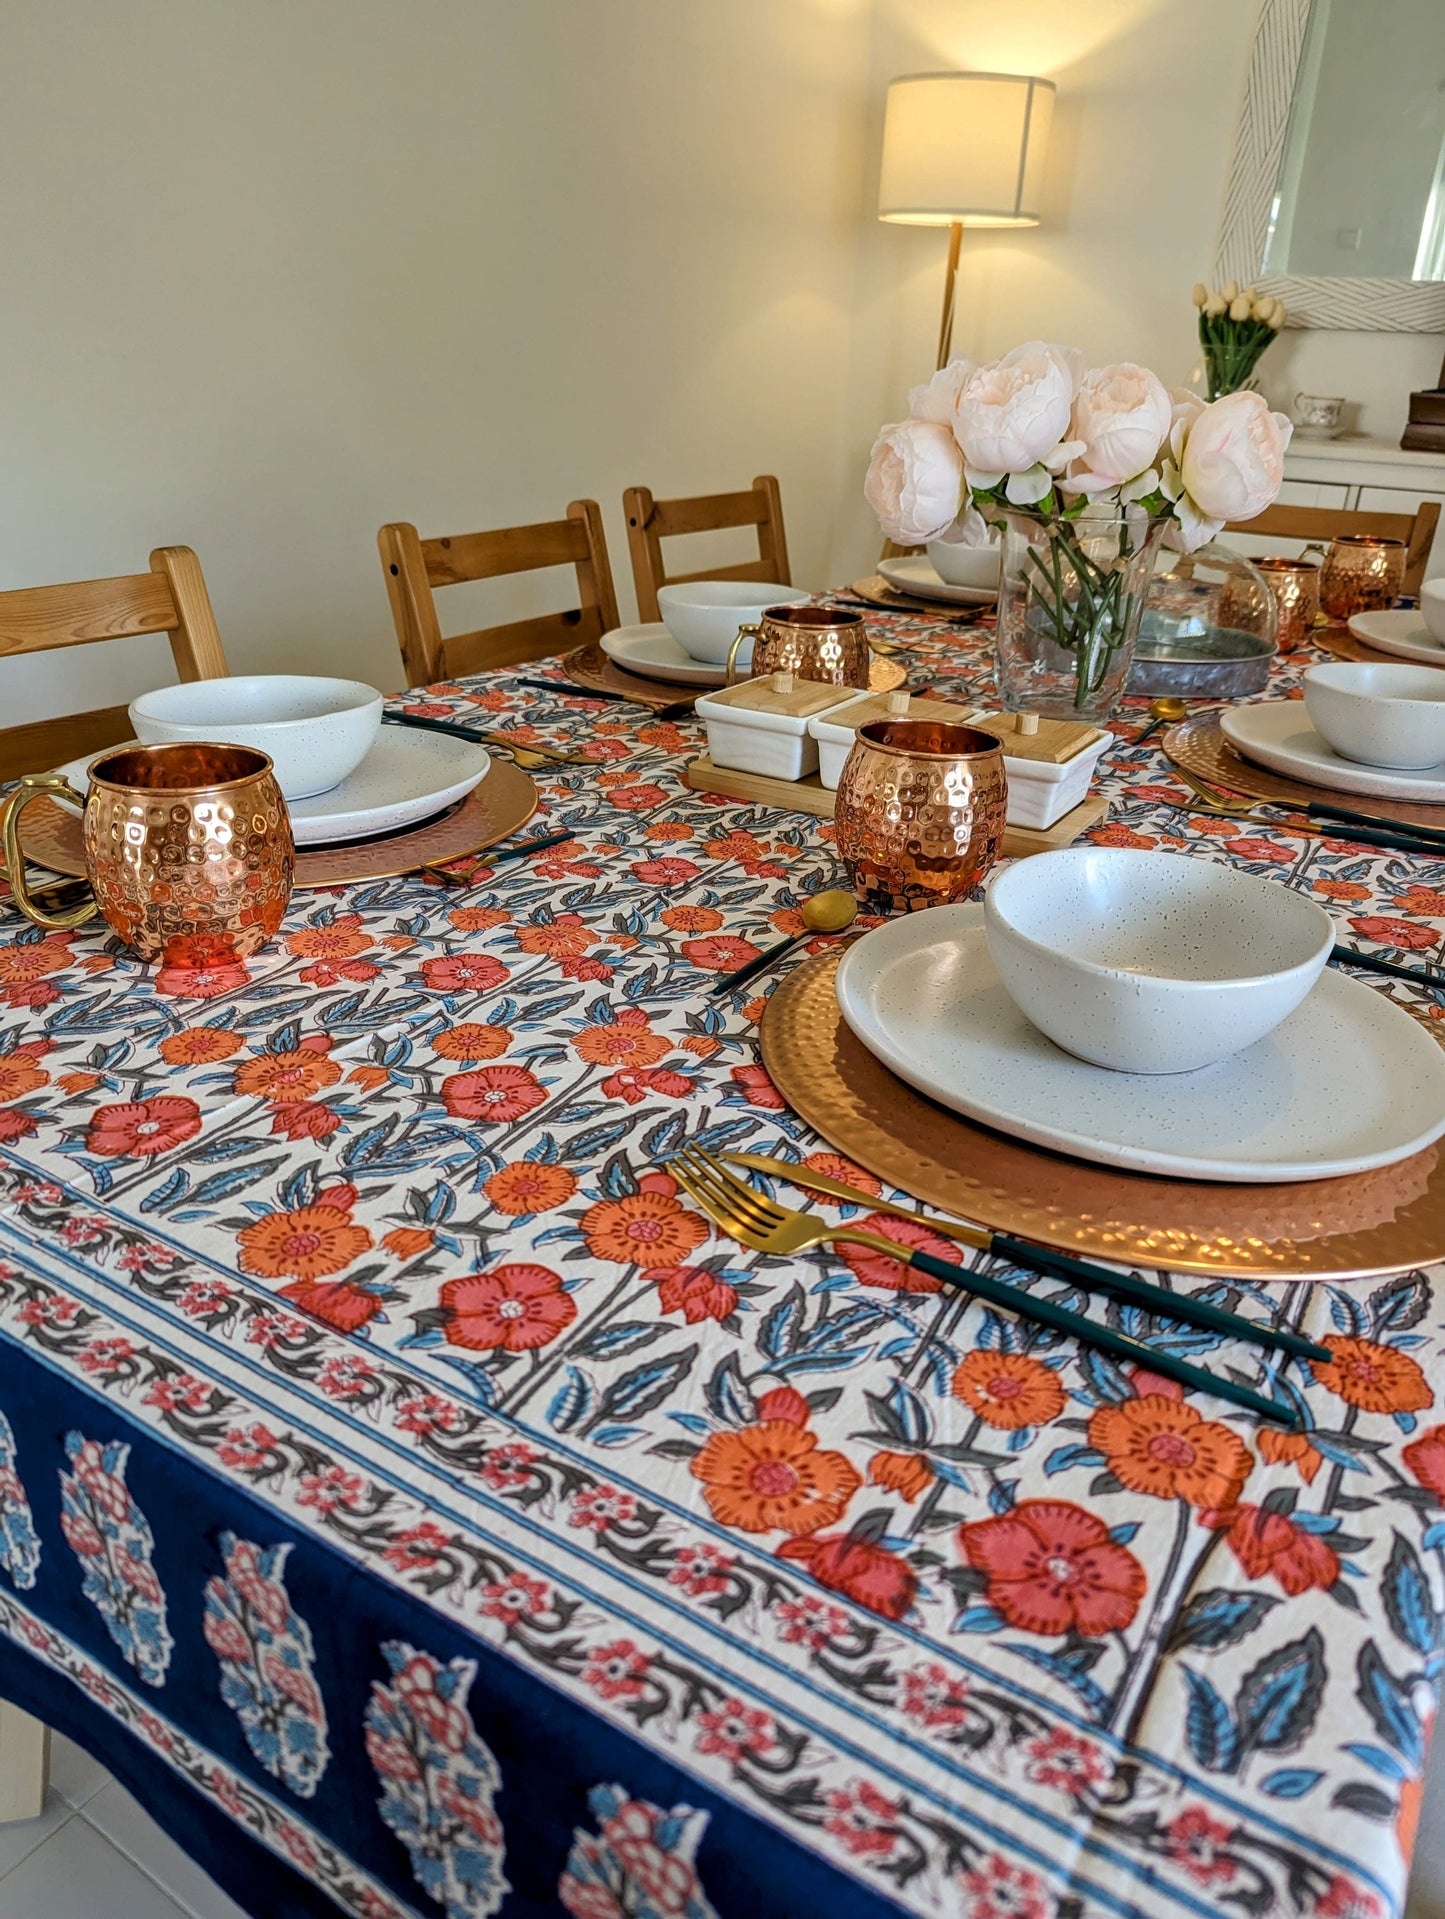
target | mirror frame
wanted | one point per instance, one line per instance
(1369, 306)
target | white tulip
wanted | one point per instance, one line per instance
(1278, 317)
(1215, 305)
(1229, 291)
(1239, 308)
(1201, 293)
(915, 481)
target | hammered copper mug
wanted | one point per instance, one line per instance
(827, 643)
(188, 850)
(1362, 573)
(1295, 585)
(920, 812)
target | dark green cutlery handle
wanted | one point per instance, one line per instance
(1429, 835)
(1372, 963)
(1398, 840)
(1154, 1299)
(1015, 1300)
(758, 965)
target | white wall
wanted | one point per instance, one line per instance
(275, 271)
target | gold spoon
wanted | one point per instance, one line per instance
(1166, 712)
(830, 912)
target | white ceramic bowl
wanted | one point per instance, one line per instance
(1151, 962)
(317, 731)
(1432, 608)
(703, 616)
(1379, 715)
(963, 565)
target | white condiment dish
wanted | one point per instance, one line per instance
(762, 725)
(1379, 715)
(316, 731)
(1432, 608)
(703, 616)
(1151, 962)
(965, 565)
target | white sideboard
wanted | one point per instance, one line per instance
(1360, 474)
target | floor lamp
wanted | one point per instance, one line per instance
(964, 150)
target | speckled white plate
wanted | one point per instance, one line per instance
(921, 578)
(1402, 631)
(1278, 734)
(652, 651)
(1347, 1082)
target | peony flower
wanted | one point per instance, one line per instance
(1013, 414)
(1230, 456)
(935, 400)
(915, 481)
(1123, 415)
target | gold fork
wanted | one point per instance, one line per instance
(767, 1227)
(1358, 828)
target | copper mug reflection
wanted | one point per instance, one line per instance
(188, 850)
(1362, 573)
(828, 643)
(1295, 585)
(920, 812)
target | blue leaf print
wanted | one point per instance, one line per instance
(1209, 1725)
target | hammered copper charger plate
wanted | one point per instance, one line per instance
(1352, 1228)
(590, 666)
(1199, 746)
(494, 809)
(876, 591)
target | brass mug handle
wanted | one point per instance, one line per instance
(31, 787)
(753, 628)
(1314, 546)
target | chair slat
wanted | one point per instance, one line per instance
(43, 745)
(707, 512)
(519, 640)
(459, 557)
(650, 522)
(34, 619)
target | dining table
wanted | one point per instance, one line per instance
(422, 1509)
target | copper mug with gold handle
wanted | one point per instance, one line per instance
(187, 847)
(921, 811)
(827, 643)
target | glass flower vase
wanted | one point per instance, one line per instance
(1071, 594)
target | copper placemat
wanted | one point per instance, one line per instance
(504, 800)
(877, 592)
(1340, 641)
(1198, 745)
(590, 666)
(1378, 1222)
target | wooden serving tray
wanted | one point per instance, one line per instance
(811, 796)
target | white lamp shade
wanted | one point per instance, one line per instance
(965, 146)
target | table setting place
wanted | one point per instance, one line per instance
(805, 1236)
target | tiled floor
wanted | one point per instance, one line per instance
(93, 1854)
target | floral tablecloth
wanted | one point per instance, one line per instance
(418, 1506)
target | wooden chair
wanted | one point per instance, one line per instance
(170, 599)
(650, 522)
(1326, 523)
(413, 567)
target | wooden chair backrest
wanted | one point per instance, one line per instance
(650, 522)
(170, 599)
(413, 567)
(1326, 523)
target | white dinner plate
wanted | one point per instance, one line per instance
(1402, 631)
(1278, 734)
(921, 578)
(408, 775)
(652, 651)
(1347, 1082)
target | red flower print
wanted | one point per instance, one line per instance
(514, 1307)
(306, 1119)
(418, 1548)
(183, 1393)
(1052, 1567)
(508, 1467)
(873, 1269)
(666, 872)
(202, 982)
(346, 1375)
(998, 1890)
(701, 1571)
(1065, 1761)
(864, 1819)
(80, 1535)
(720, 954)
(277, 1329)
(810, 1623)
(330, 1489)
(617, 1670)
(515, 1597)
(868, 1574)
(498, 1094)
(600, 1507)
(1343, 1899)
(692, 1291)
(584, 968)
(634, 1083)
(1425, 1458)
(38, 993)
(205, 1296)
(734, 1731)
(785, 1403)
(1197, 1842)
(637, 799)
(137, 1128)
(1267, 1543)
(931, 1696)
(463, 973)
(1256, 849)
(429, 1413)
(15, 1123)
(756, 1086)
(248, 1447)
(328, 972)
(1391, 932)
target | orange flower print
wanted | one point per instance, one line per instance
(1341, 889)
(24, 960)
(1377, 1379)
(1008, 1390)
(307, 1243)
(478, 919)
(512, 1307)
(529, 1186)
(339, 941)
(834, 1166)
(495, 1093)
(202, 982)
(1117, 834)
(1425, 1458)
(464, 973)
(773, 1475)
(1424, 900)
(19, 1076)
(665, 829)
(1160, 1446)
(136, 1128)
(74, 1083)
(471, 1041)
(629, 1040)
(721, 954)
(200, 1046)
(907, 1473)
(562, 938)
(694, 1291)
(1280, 1448)
(691, 919)
(644, 1229)
(284, 1077)
(408, 1242)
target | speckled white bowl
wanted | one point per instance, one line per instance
(703, 616)
(1151, 962)
(1379, 714)
(316, 730)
